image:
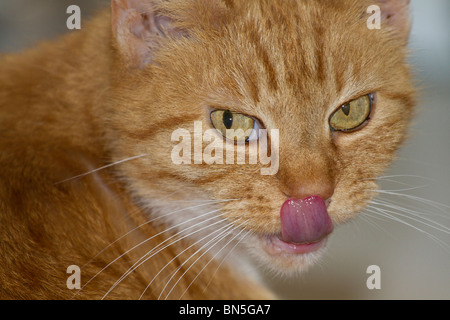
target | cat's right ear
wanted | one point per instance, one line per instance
(138, 30)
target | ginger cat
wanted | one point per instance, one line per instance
(86, 141)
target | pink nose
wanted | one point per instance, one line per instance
(305, 221)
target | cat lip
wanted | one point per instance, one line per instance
(273, 245)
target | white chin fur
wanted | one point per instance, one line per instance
(283, 263)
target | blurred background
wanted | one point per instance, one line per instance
(412, 247)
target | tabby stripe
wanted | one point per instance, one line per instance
(229, 4)
(171, 123)
(200, 180)
(264, 57)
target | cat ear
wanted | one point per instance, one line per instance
(138, 29)
(396, 13)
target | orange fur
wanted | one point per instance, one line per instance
(106, 94)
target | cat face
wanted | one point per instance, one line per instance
(337, 94)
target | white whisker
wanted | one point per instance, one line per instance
(386, 214)
(201, 201)
(365, 217)
(427, 222)
(144, 258)
(153, 220)
(398, 176)
(227, 226)
(214, 257)
(222, 235)
(434, 204)
(401, 190)
(101, 168)
(148, 239)
(421, 214)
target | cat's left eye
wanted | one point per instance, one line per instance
(236, 127)
(351, 116)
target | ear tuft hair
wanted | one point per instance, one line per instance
(139, 28)
(396, 13)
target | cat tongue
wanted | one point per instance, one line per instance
(305, 221)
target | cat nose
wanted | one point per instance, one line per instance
(322, 189)
(312, 174)
(319, 183)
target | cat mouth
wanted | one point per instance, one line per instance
(275, 246)
(305, 226)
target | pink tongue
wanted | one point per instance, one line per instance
(305, 221)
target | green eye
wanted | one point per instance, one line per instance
(352, 115)
(233, 126)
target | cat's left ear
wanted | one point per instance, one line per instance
(396, 13)
(139, 29)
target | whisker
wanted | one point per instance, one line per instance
(220, 264)
(222, 235)
(365, 217)
(399, 176)
(144, 258)
(101, 168)
(427, 222)
(148, 239)
(204, 267)
(432, 203)
(391, 178)
(215, 201)
(153, 220)
(386, 214)
(391, 204)
(402, 190)
(227, 226)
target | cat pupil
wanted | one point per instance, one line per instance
(346, 109)
(228, 119)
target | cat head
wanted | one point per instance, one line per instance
(334, 95)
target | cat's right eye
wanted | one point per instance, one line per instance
(234, 126)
